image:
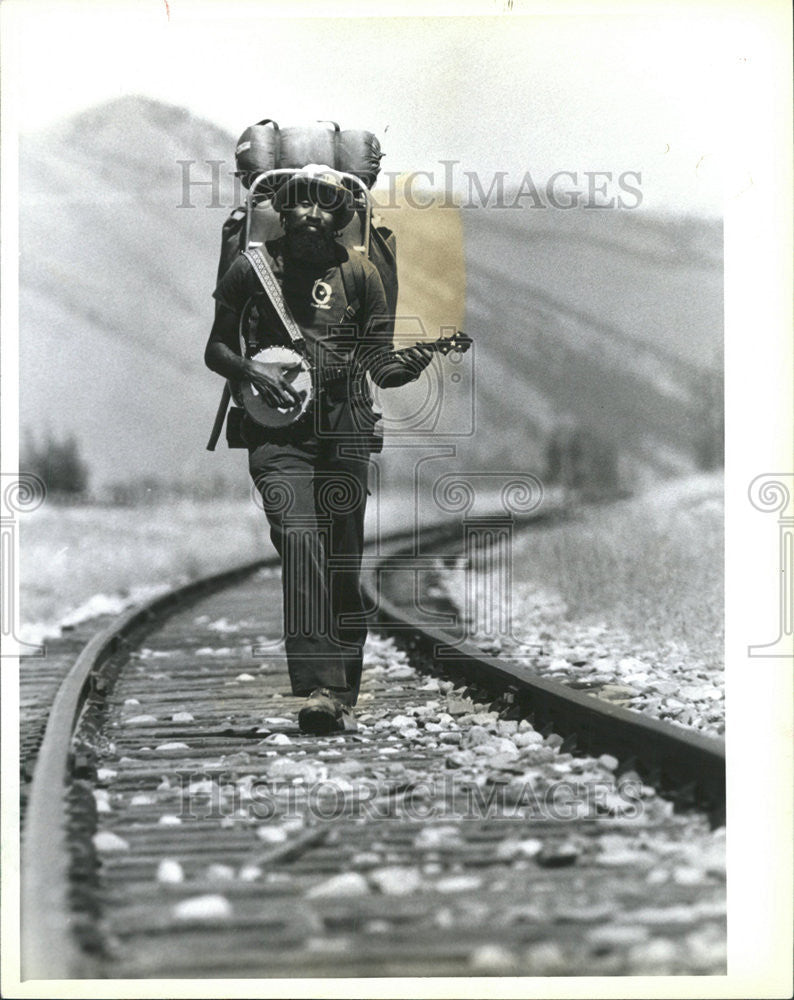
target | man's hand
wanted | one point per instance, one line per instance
(416, 358)
(270, 382)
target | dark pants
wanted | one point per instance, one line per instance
(314, 492)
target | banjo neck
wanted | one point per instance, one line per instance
(457, 341)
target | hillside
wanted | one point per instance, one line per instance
(610, 320)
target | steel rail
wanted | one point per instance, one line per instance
(48, 946)
(678, 761)
(675, 758)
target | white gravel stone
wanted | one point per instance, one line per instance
(608, 761)
(707, 947)
(278, 739)
(222, 625)
(271, 834)
(220, 873)
(527, 848)
(493, 958)
(171, 747)
(402, 722)
(138, 720)
(528, 739)
(486, 719)
(544, 959)
(655, 953)
(204, 786)
(142, 799)
(432, 868)
(476, 735)
(365, 859)
(170, 871)
(617, 936)
(686, 875)
(503, 744)
(377, 927)
(401, 672)
(107, 842)
(346, 884)
(182, 717)
(664, 915)
(458, 883)
(433, 837)
(169, 820)
(396, 881)
(209, 907)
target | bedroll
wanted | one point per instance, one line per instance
(265, 146)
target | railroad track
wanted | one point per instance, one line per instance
(480, 821)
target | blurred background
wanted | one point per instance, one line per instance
(595, 299)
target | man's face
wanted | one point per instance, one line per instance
(309, 227)
(307, 214)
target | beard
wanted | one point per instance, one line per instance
(309, 243)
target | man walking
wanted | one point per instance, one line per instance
(313, 474)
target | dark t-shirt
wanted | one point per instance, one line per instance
(315, 294)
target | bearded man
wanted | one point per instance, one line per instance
(313, 475)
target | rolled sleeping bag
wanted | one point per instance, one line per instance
(265, 146)
(360, 154)
(258, 149)
(304, 144)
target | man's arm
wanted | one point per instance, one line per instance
(222, 353)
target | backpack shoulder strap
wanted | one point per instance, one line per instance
(232, 240)
(354, 280)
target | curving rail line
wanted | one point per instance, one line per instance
(687, 764)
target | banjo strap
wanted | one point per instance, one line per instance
(273, 291)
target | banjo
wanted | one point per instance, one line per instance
(305, 378)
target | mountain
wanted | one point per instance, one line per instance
(611, 320)
(115, 285)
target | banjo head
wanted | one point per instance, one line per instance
(300, 379)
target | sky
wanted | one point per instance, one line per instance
(649, 92)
